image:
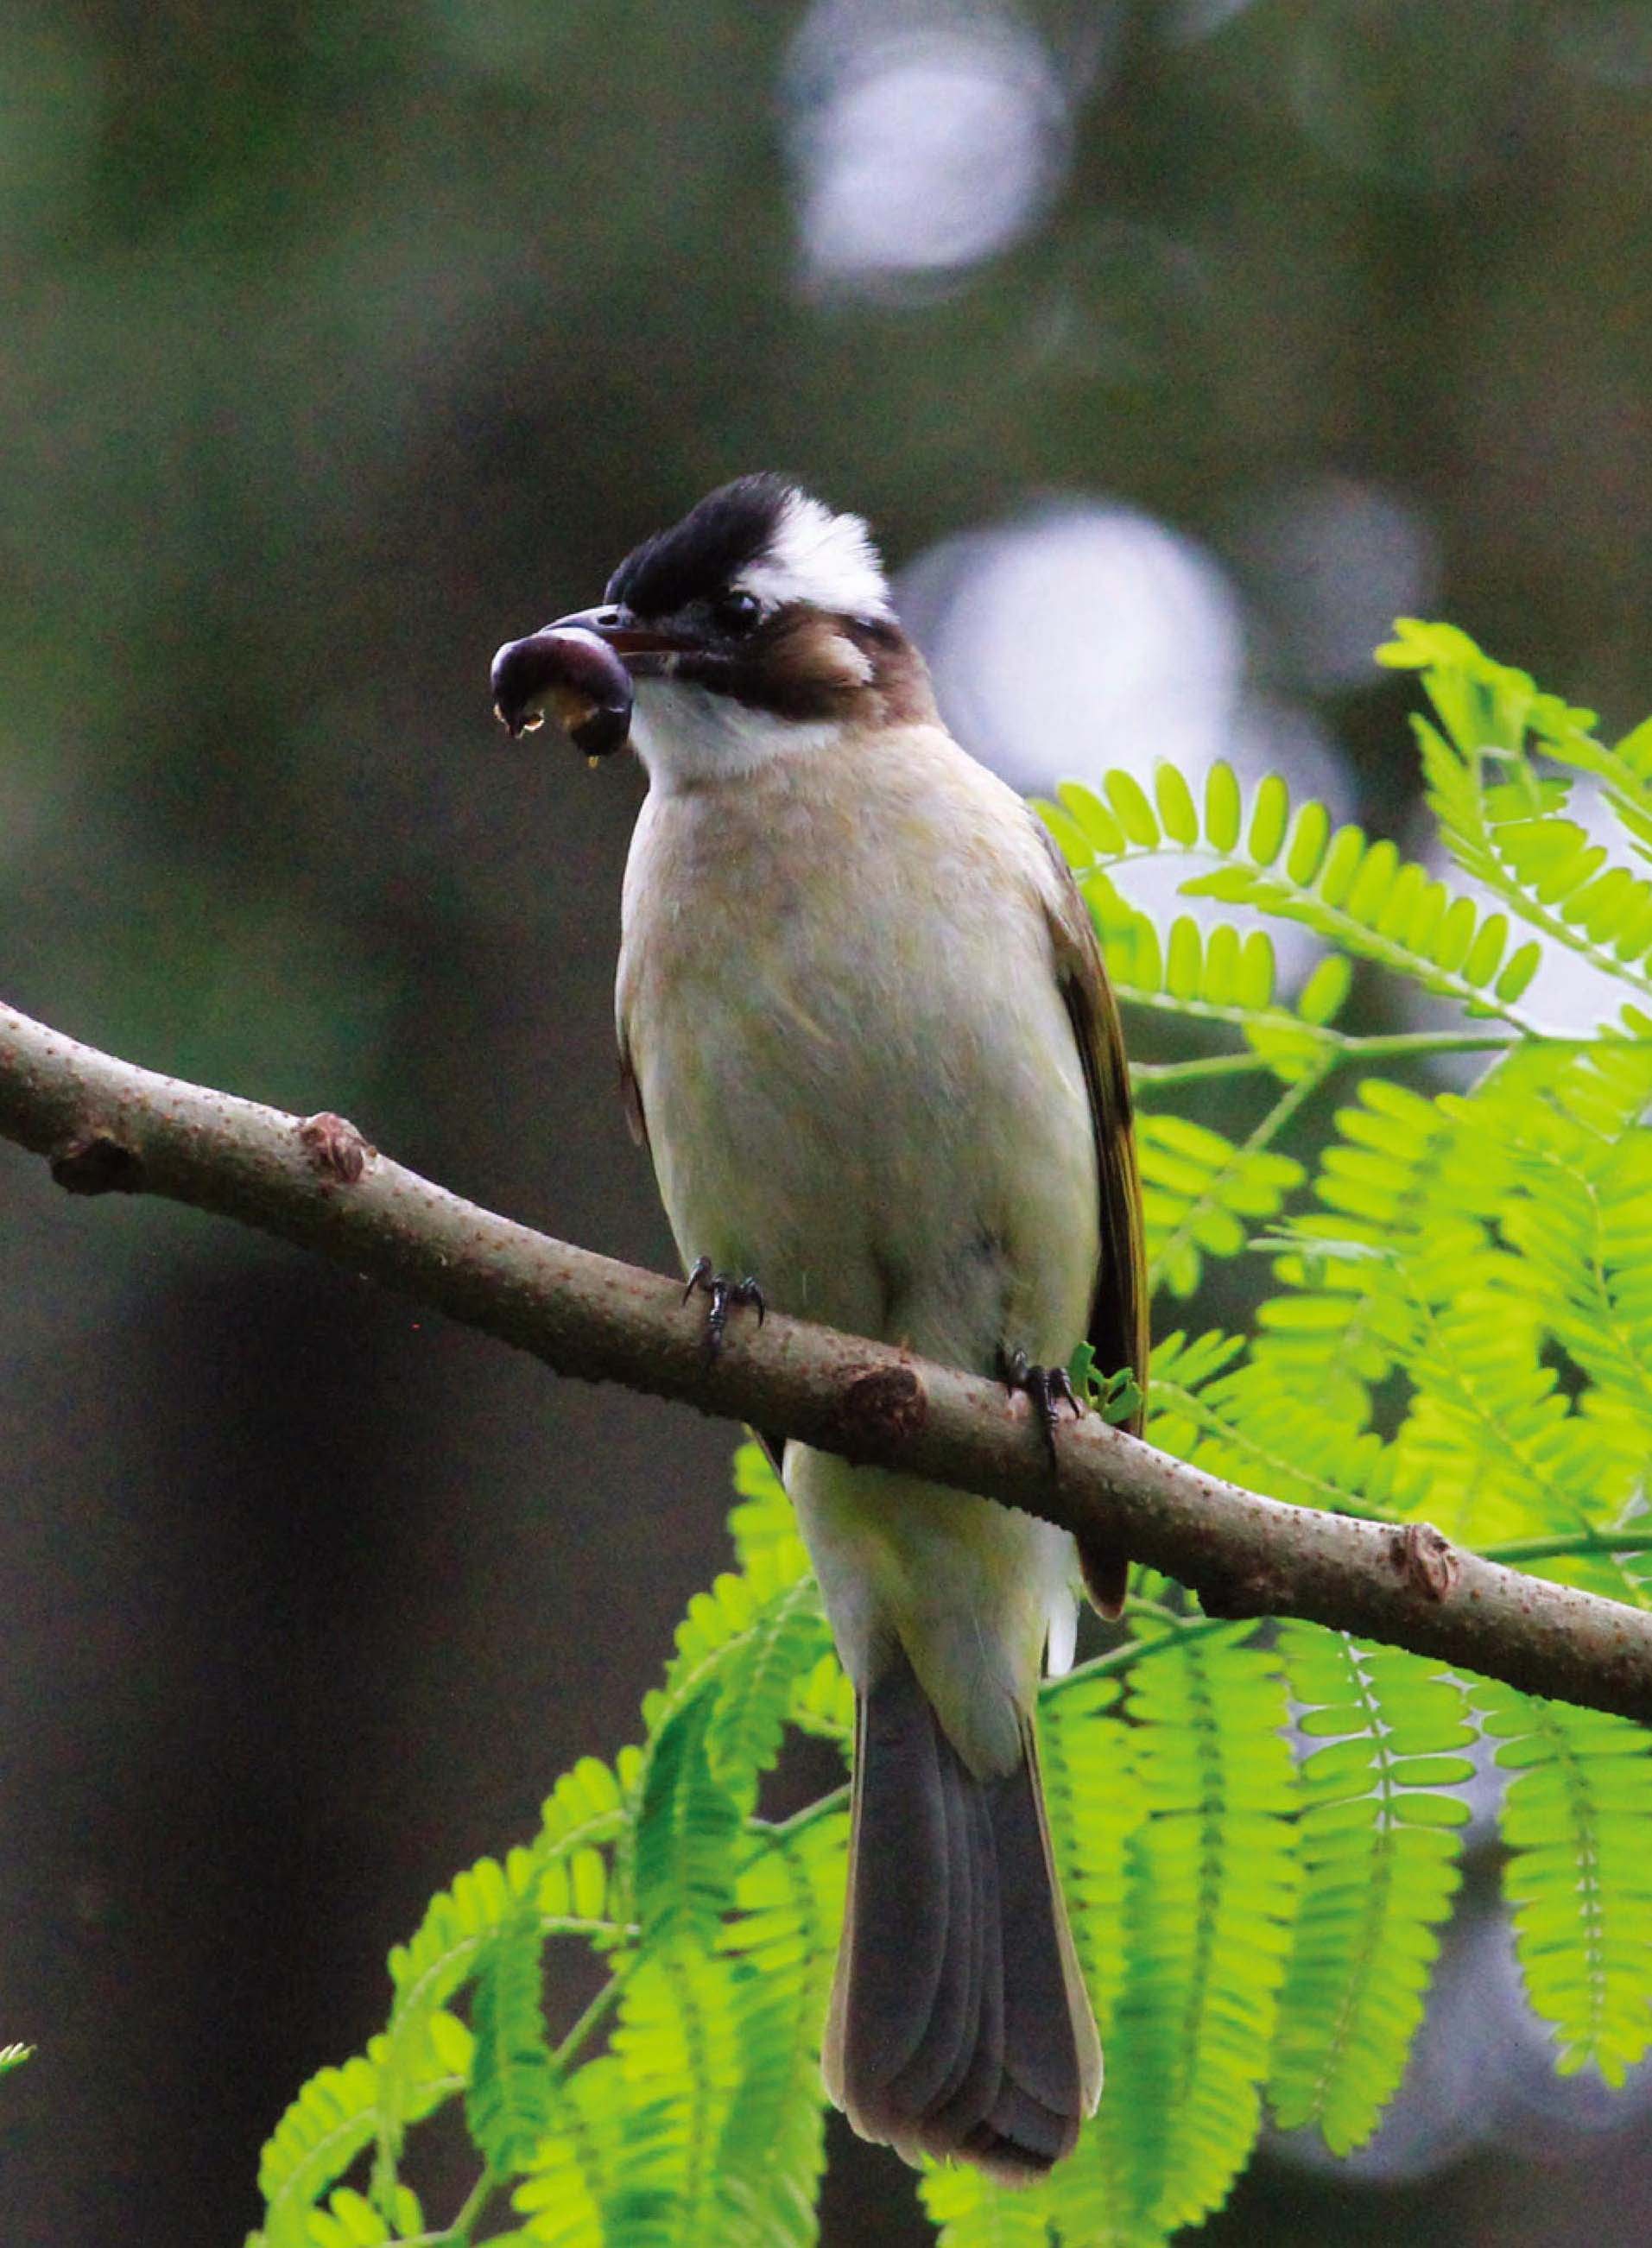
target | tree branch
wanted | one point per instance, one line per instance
(105, 1126)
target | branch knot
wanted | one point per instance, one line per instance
(882, 1404)
(1427, 1560)
(96, 1163)
(334, 1147)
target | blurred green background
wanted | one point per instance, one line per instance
(1171, 346)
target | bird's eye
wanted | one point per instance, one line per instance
(736, 613)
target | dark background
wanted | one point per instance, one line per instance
(1170, 348)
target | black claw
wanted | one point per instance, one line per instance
(1047, 1386)
(1061, 1387)
(727, 1294)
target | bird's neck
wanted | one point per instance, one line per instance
(689, 737)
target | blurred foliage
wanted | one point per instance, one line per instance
(1460, 1327)
(335, 332)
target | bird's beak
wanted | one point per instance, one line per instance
(580, 668)
(645, 652)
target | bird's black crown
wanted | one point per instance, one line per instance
(698, 558)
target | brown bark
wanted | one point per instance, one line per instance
(105, 1126)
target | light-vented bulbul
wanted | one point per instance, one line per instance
(866, 1032)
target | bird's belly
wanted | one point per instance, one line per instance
(902, 1148)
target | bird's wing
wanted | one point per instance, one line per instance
(630, 1092)
(1119, 1307)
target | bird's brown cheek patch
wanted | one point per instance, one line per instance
(810, 669)
(847, 665)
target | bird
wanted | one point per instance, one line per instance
(866, 1034)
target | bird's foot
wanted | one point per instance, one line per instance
(1047, 1386)
(727, 1294)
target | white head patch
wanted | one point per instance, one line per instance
(813, 555)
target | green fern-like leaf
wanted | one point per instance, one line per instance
(1201, 1195)
(1470, 683)
(742, 1653)
(1220, 975)
(1576, 1819)
(351, 2221)
(786, 1639)
(573, 2169)
(686, 1828)
(1582, 1219)
(508, 2104)
(1379, 1846)
(1505, 824)
(1433, 1259)
(703, 2123)
(1211, 1885)
(1389, 1184)
(333, 2120)
(717, 1621)
(783, 1934)
(749, 1637)
(1373, 904)
(459, 1924)
(1258, 1423)
(974, 2213)
(762, 1519)
(585, 1810)
(677, 2045)
(1358, 895)
(327, 2126)
(1488, 1445)
(823, 1702)
(1095, 1802)
(563, 1879)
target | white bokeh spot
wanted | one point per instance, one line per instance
(1086, 634)
(924, 141)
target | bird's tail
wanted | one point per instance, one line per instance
(959, 2023)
